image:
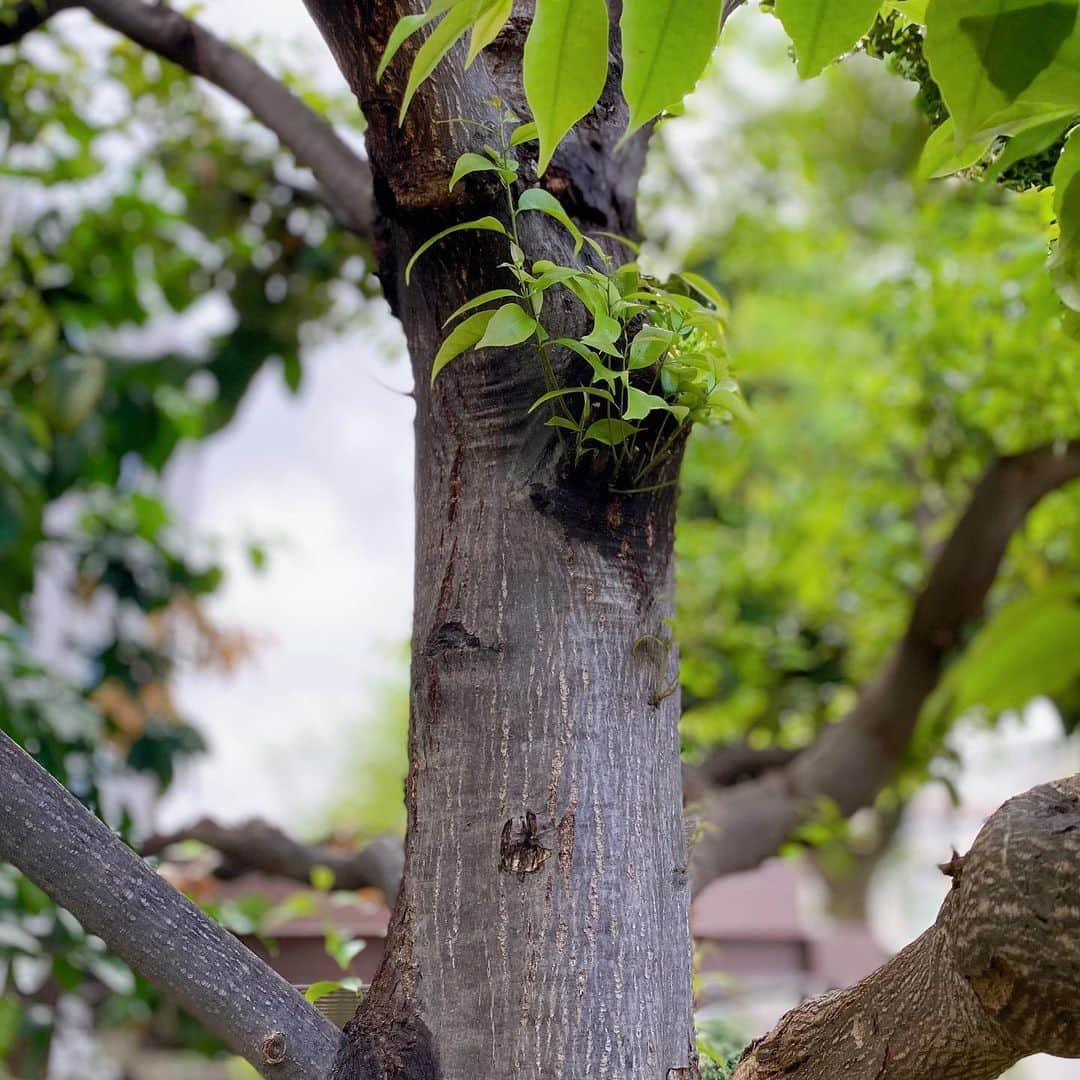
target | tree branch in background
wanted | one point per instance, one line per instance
(79, 862)
(342, 172)
(17, 22)
(852, 761)
(257, 845)
(991, 982)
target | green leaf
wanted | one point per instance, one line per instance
(562, 422)
(705, 288)
(987, 54)
(566, 391)
(320, 989)
(406, 26)
(509, 326)
(666, 46)
(487, 26)
(609, 432)
(1028, 648)
(468, 164)
(565, 66)
(1026, 143)
(639, 405)
(1065, 261)
(649, 344)
(546, 203)
(525, 133)
(484, 224)
(440, 41)
(480, 301)
(823, 30)
(463, 338)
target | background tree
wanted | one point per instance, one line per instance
(544, 756)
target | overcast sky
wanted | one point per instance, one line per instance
(327, 477)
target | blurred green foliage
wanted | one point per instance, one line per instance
(892, 337)
(157, 252)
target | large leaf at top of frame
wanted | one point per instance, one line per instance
(987, 54)
(565, 66)
(666, 45)
(822, 30)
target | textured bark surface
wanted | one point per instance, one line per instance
(66, 851)
(997, 977)
(542, 927)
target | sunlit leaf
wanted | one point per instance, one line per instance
(565, 66)
(666, 45)
(824, 30)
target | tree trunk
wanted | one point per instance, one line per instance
(542, 928)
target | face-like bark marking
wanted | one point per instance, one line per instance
(520, 850)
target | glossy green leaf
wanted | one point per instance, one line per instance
(988, 54)
(439, 42)
(567, 391)
(1065, 260)
(546, 203)
(666, 46)
(406, 26)
(480, 301)
(487, 26)
(639, 404)
(525, 133)
(565, 66)
(609, 432)
(484, 224)
(461, 339)
(510, 325)
(468, 164)
(824, 30)
(649, 344)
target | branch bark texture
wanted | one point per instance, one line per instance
(994, 979)
(86, 868)
(260, 846)
(852, 761)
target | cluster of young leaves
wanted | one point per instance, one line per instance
(666, 45)
(655, 355)
(927, 341)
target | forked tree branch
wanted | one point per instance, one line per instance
(343, 173)
(79, 862)
(851, 762)
(260, 846)
(992, 981)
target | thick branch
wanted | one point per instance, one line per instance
(29, 15)
(84, 867)
(342, 172)
(260, 846)
(852, 761)
(992, 981)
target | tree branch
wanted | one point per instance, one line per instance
(260, 846)
(852, 761)
(86, 868)
(16, 23)
(345, 174)
(991, 982)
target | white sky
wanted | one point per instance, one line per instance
(328, 477)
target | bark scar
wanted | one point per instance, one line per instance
(520, 850)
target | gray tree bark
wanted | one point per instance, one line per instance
(542, 928)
